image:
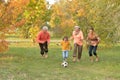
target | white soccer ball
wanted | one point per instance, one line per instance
(64, 64)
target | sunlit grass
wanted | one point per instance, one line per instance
(23, 62)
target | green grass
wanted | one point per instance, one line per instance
(25, 63)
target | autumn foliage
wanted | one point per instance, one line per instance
(10, 19)
(103, 15)
(35, 14)
(28, 16)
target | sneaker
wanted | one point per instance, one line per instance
(42, 56)
(97, 59)
(65, 59)
(74, 59)
(46, 55)
(91, 59)
(78, 60)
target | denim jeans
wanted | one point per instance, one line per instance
(65, 54)
(92, 50)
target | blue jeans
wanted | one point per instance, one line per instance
(92, 49)
(65, 54)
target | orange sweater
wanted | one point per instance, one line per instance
(43, 37)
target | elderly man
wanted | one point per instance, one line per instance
(43, 39)
(77, 36)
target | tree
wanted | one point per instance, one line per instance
(9, 19)
(33, 31)
(35, 14)
(61, 20)
(103, 15)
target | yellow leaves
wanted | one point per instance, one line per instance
(33, 31)
(12, 11)
(36, 12)
(67, 23)
(52, 23)
(57, 10)
(73, 6)
(33, 1)
(81, 12)
(67, 13)
(0, 12)
(8, 17)
(92, 11)
(55, 20)
(3, 43)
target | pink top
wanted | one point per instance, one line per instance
(78, 38)
(43, 37)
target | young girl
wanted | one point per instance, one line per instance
(93, 41)
(65, 44)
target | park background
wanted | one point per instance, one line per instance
(21, 20)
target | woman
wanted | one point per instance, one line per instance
(93, 41)
(43, 39)
(77, 36)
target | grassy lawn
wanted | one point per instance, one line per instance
(23, 62)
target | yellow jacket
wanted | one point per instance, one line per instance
(65, 45)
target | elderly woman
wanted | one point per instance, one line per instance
(93, 41)
(77, 36)
(43, 39)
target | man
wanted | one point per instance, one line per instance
(43, 39)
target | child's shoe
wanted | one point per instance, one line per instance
(65, 59)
